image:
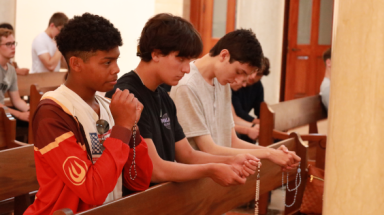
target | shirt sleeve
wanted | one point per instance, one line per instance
(179, 132)
(40, 46)
(190, 112)
(13, 78)
(239, 109)
(59, 148)
(259, 99)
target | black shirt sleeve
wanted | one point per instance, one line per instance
(259, 99)
(237, 105)
(179, 133)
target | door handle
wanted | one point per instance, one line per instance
(295, 50)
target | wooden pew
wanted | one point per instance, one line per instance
(45, 79)
(204, 196)
(276, 119)
(36, 92)
(17, 179)
(8, 130)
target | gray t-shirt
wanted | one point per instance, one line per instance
(8, 81)
(203, 109)
(324, 91)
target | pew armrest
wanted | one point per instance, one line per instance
(20, 143)
(65, 211)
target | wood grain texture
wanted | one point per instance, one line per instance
(17, 172)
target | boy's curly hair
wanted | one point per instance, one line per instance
(86, 34)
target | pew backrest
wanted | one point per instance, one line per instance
(17, 172)
(36, 92)
(8, 130)
(45, 79)
(276, 119)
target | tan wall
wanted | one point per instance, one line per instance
(266, 19)
(175, 7)
(353, 171)
(8, 11)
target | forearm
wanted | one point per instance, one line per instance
(21, 105)
(253, 149)
(242, 129)
(53, 61)
(178, 172)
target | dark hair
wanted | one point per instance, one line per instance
(242, 46)
(327, 54)
(168, 33)
(58, 19)
(266, 66)
(6, 25)
(86, 34)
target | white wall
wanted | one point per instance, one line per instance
(266, 19)
(7, 11)
(128, 16)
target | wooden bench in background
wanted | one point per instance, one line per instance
(43, 80)
(204, 196)
(277, 119)
(36, 92)
(17, 179)
(8, 131)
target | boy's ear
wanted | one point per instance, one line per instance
(224, 55)
(156, 54)
(75, 63)
(328, 62)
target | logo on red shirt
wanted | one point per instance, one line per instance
(75, 169)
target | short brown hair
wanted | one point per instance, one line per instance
(5, 32)
(58, 19)
(168, 33)
(327, 54)
(266, 66)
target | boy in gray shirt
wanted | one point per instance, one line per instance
(203, 99)
(8, 77)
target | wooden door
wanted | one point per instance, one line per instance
(309, 35)
(213, 19)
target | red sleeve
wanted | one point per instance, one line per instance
(56, 143)
(144, 167)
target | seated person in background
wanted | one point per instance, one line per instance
(19, 71)
(45, 55)
(326, 84)
(76, 167)
(203, 99)
(166, 45)
(8, 76)
(246, 98)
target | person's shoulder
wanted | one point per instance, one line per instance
(128, 81)
(11, 68)
(40, 37)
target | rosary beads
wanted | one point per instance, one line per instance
(298, 176)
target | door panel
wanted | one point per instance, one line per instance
(213, 19)
(309, 35)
